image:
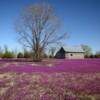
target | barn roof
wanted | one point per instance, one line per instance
(73, 49)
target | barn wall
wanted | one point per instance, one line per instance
(74, 55)
(60, 55)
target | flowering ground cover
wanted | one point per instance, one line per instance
(50, 80)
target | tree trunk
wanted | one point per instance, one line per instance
(37, 56)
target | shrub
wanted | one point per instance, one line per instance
(97, 55)
(27, 54)
(44, 55)
(92, 56)
(1, 55)
(8, 55)
(87, 56)
(20, 55)
(1, 52)
(50, 56)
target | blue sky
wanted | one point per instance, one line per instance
(80, 18)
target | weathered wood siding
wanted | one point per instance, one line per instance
(75, 55)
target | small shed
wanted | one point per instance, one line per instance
(75, 52)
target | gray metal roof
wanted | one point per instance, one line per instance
(73, 49)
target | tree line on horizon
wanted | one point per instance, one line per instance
(6, 53)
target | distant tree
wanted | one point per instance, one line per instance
(20, 55)
(87, 50)
(27, 54)
(52, 52)
(92, 56)
(7, 53)
(45, 55)
(97, 55)
(1, 52)
(38, 28)
(6, 49)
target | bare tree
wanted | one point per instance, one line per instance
(87, 50)
(52, 51)
(38, 28)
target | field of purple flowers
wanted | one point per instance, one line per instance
(50, 80)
